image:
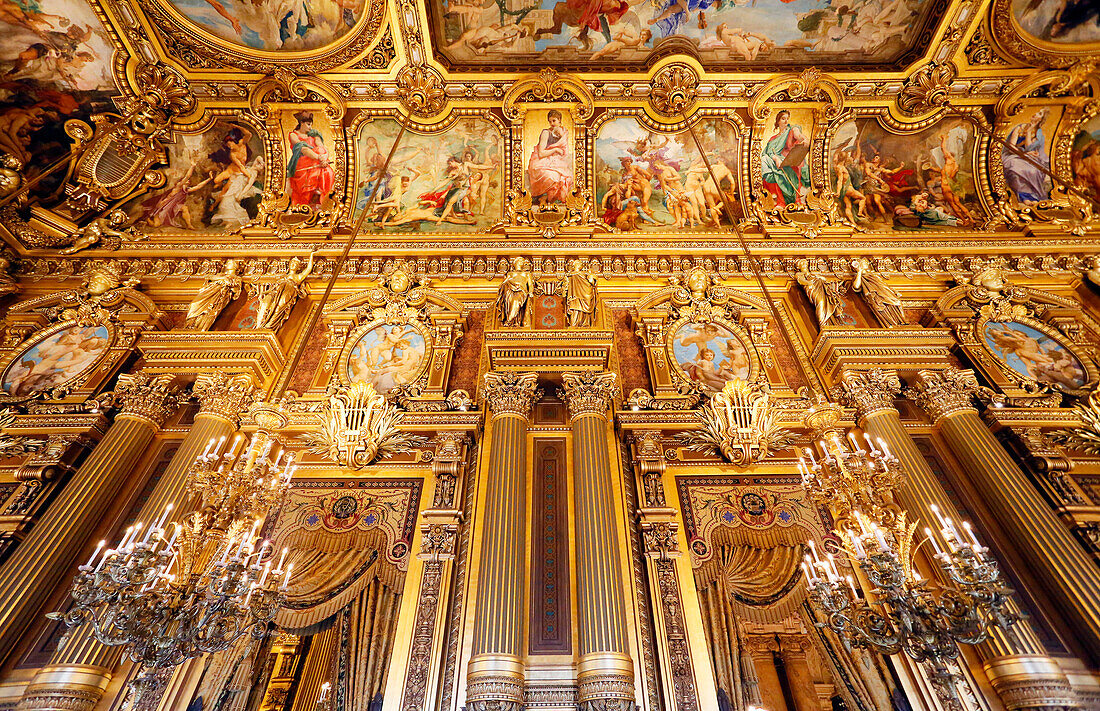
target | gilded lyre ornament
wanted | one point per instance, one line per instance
(827, 295)
(514, 296)
(741, 422)
(212, 298)
(115, 158)
(883, 299)
(277, 298)
(581, 295)
(358, 427)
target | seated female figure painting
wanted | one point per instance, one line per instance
(550, 167)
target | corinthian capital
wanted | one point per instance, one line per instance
(225, 396)
(943, 392)
(869, 391)
(512, 393)
(147, 396)
(589, 393)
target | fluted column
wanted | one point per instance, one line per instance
(221, 399)
(496, 672)
(1058, 560)
(762, 649)
(605, 674)
(36, 567)
(872, 393)
(799, 677)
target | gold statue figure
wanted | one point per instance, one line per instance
(212, 297)
(278, 298)
(883, 299)
(515, 294)
(826, 294)
(581, 295)
(104, 231)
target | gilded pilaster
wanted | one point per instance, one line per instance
(496, 671)
(762, 649)
(792, 649)
(221, 398)
(1048, 547)
(38, 565)
(872, 393)
(605, 674)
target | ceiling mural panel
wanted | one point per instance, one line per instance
(886, 180)
(607, 34)
(55, 59)
(1062, 21)
(447, 181)
(274, 25)
(1085, 157)
(213, 182)
(647, 180)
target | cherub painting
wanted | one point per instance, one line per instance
(1061, 21)
(710, 354)
(55, 360)
(1034, 354)
(387, 356)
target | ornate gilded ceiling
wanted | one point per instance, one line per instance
(159, 125)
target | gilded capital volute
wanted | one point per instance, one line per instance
(869, 391)
(510, 393)
(941, 393)
(147, 396)
(589, 393)
(222, 395)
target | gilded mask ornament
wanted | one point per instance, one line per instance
(358, 427)
(98, 299)
(699, 297)
(397, 299)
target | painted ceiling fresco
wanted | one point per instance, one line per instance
(276, 120)
(589, 34)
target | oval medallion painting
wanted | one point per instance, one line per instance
(1034, 354)
(710, 354)
(274, 25)
(387, 356)
(55, 360)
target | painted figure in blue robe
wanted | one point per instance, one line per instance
(785, 182)
(1024, 177)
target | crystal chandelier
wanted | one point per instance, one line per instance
(902, 612)
(168, 597)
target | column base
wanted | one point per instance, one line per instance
(1031, 682)
(495, 683)
(65, 687)
(605, 682)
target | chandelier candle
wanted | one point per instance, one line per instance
(170, 598)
